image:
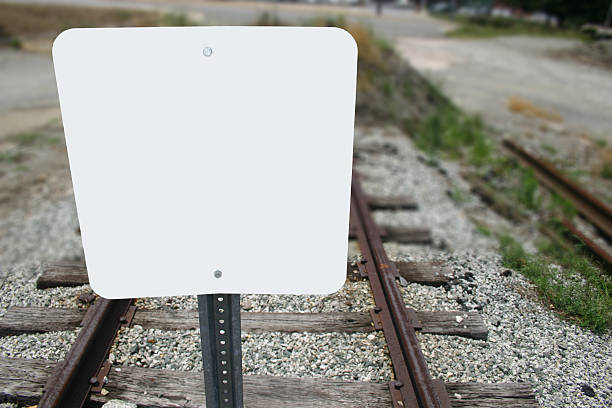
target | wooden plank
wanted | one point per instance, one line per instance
(74, 274)
(261, 321)
(21, 381)
(401, 234)
(62, 274)
(392, 203)
(19, 320)
(425, 273)
(462, 324)
(507, 395)
(375, 147)
(406, 235)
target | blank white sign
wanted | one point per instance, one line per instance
(203, 149)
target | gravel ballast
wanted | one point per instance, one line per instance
(567, 365)
(355, 356)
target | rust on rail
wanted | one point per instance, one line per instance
(598, 251)
(593, 209)
(412, 379)
(74, 377)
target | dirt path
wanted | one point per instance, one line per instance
(480, 76)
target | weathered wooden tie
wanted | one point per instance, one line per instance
(392, 203)
(62, 274)
(401, 234)
(21, 381)
(72, 274)
(20, 320)
(424, 273)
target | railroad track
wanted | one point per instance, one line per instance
(589, 206)
(86, 378)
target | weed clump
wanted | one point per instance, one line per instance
(606, 171)
(527, 188)
(566, 279)
(454, 135)
(176, 20)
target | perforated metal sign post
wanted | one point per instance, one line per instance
(196, 150)
(221, 349)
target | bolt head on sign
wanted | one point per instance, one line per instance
(210, 159)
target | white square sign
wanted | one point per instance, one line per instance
(210, 159)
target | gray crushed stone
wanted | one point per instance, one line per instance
(405, 174)
(48, 346)
(19, 290)
(527, 342)
(354, 296)
(355, 356)
(46, 233)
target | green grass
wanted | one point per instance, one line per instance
(560, 205)
(488, 27)
(606, 171)
(576, 175)
(268, 19)
(34, 138)
(454, 135)
(176, 20)
(483, 229)
(27, 138)
(10, 157)
(14, 43)
(576, 289)
(459, 196)
(550, 149)
(527, 189)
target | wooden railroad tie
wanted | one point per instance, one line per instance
(401, 234)
(21, 381)
(20, 320)
(74, 274)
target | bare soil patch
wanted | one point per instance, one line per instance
(27, 20)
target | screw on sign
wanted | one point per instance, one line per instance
(202, 158)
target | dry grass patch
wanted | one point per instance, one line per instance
(17, 20)
(522, 106)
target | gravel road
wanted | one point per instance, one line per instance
(480, 76)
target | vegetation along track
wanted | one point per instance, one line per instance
(589, 206)
(85, 377)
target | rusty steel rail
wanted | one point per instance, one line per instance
(75, 376)
(595, 249)
(414, 386)
(593, 209)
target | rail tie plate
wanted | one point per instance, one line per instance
(74, 377)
